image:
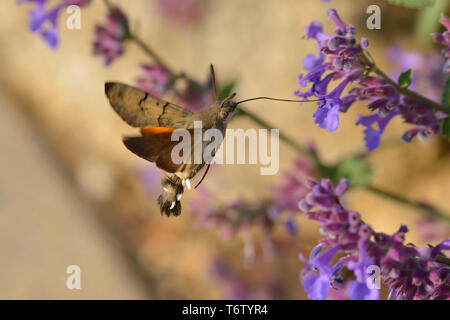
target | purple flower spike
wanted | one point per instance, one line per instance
(410, 272)
(343, 59)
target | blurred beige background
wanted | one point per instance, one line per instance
(69, 193)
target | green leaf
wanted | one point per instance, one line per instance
(445, 129)
(226, 89)
(405, 79)
(355, 170)
(412, 3)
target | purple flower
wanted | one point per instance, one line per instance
(240, 286)
(344, 60)
(410, 272)
(45, 21)
(338, 54)
(110, 37)
(359, 289)
(319, 275)
(444, 38)
(292, 188)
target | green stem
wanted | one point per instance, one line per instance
(411, 203)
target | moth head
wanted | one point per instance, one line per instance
(227, 107)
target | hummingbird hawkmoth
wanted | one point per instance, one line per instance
(157, 119)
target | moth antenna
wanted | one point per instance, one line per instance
(204, 175)
(277, 99)
(213, 80)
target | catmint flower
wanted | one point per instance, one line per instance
(410, 272)
(234, 285)
(110, 37)
(444, 38)
(195, 97)
(45, 21)
(339, 58)
(319, 275)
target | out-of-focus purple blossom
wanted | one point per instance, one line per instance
(339, 55)
(235, 287)
(293, 186)
(154, 80)
(359, 289)
(372, 133)
(190, 95)
(341, 58)
(110, 37)
(410, 272)
(444, 38)
(45, 21)
(430, 228)
(184, 13)
(236, 218)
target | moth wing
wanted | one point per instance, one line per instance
(140, 109)
(155, 145)
(166, 163)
